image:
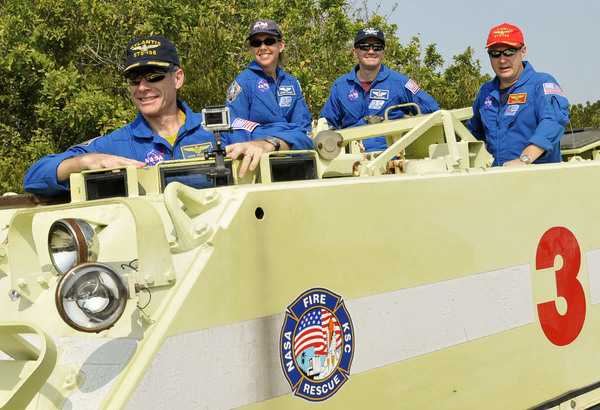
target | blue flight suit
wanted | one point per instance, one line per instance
(348, 103)
(535, 112)
(135, 140)
(260, 107)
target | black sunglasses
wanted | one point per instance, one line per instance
(367, 46)
(135, 78)
(509, 52)
(268, 42)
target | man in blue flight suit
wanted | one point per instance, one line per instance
(521, 114)
(164, 129)
(370, 88)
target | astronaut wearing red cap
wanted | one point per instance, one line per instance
(521, 114)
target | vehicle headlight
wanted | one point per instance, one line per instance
(71, 242)
(91, 297)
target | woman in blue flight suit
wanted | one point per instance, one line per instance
(265, 103)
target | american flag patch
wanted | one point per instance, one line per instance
(412, 86)
(553, 88)
(242, 124)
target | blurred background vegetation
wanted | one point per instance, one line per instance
(61, 63)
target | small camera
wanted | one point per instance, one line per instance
(216, 118)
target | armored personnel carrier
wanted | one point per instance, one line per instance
(414, 278)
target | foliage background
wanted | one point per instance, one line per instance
(61, 63)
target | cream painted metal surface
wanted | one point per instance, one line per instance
(466, 286)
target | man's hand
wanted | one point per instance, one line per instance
(92, 161)
(532, 151)
(515, 161)
(250, 152)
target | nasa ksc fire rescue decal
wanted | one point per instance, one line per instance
(316, 344)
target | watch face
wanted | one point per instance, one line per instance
(525, 158)
(272, 140)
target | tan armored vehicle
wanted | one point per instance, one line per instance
(415, 278)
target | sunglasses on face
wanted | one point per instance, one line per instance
(367, 46)
(150, 76)
(268, 42)
(509, 52)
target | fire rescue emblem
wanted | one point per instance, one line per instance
(316, 344)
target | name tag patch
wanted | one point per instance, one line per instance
(517, 98)
(196, 150)
(286, 90)
(379, 94)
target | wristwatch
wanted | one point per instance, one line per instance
(525, 158)
(275, 141)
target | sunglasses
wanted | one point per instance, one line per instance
(509, 52)
(268, 42)
(150, 76)
(367, 46)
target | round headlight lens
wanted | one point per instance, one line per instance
(91, 297)
(71, 242)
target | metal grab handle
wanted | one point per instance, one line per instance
(31, 367)
(410, 104)
(183, 203)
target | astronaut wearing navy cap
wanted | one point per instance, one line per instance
(370, 88)
(164, 129)
(267, 106)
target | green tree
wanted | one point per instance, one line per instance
(62, 62)
(587, 116)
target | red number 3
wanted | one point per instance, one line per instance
(562, 329)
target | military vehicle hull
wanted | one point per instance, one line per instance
(465, 288)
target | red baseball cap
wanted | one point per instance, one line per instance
(505, 34)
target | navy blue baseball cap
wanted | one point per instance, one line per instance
(264, 26)
(153, 51)
(369, 32)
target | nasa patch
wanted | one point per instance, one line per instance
(285, 102)
(262, 85)
(153, 157)
(488, 102)
(353, 95)
(316, 344)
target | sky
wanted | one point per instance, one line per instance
(561, 36)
